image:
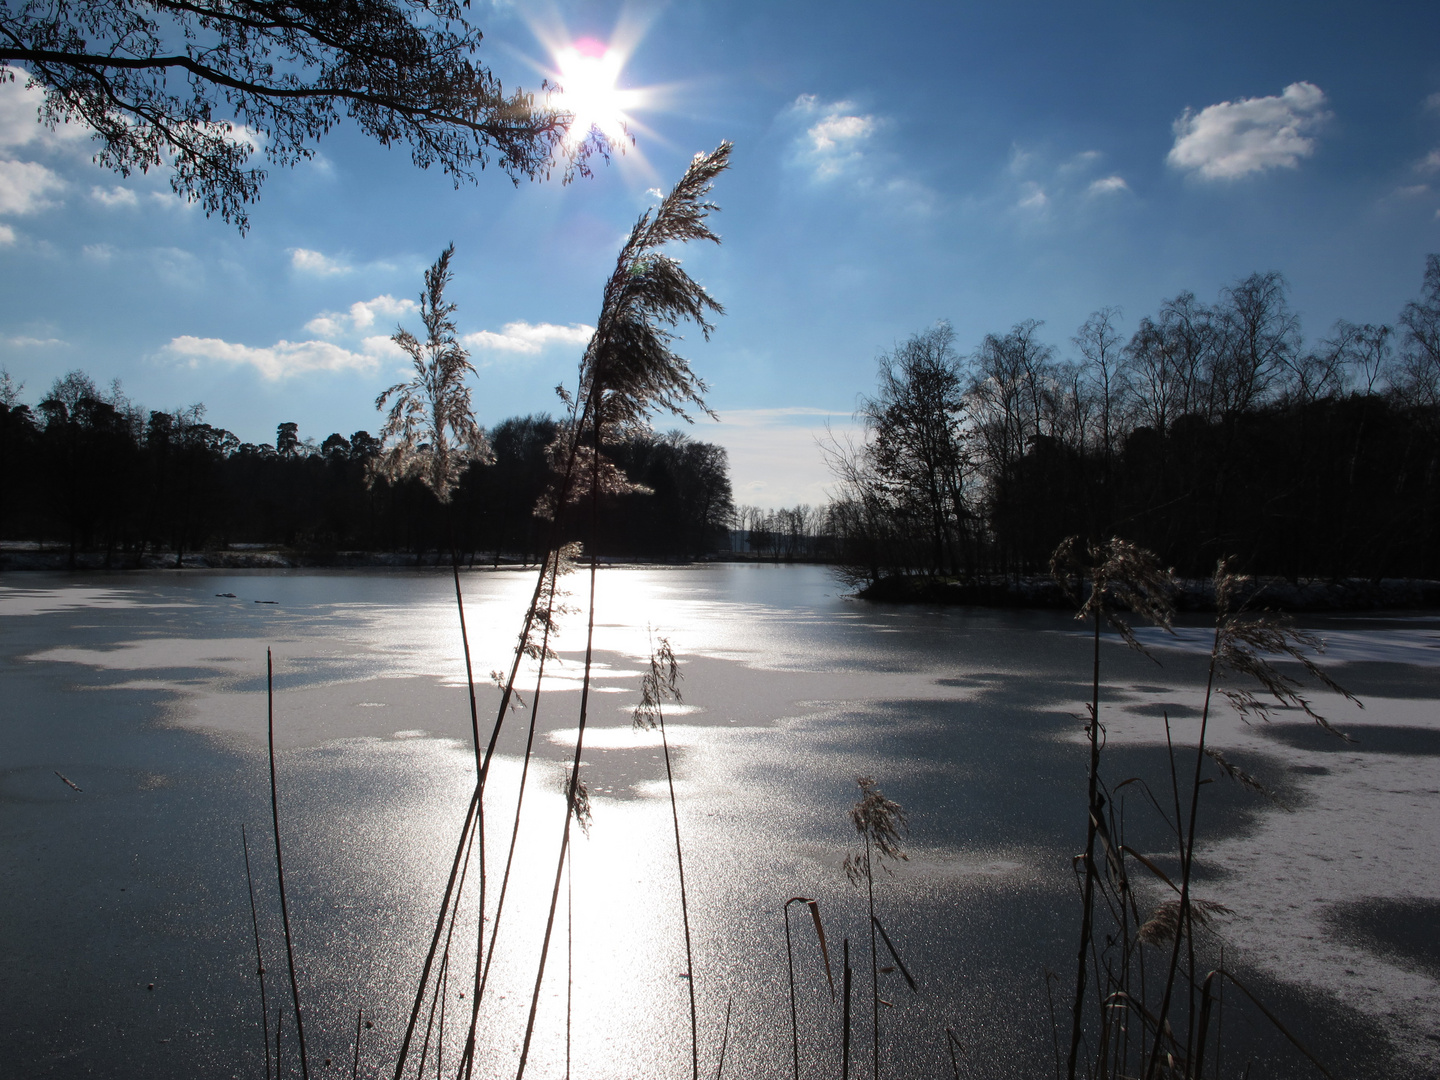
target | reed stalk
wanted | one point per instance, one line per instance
(280, 872)
(662, 681)
(572, 785)
(259, 962)
(845, 1018)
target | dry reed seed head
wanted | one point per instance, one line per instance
(1240, 776)
(1227, 585)
(580, 804)
(1243, 646)
(1122, 575)
(516, 701)
(879, 820)
(659, 684)
(1162, 926)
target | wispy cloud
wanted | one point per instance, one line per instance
(529, 338)
(1237, 138)
(282, 360)
(25, 187)
(34, 342)
(1034, 184)
(1108, 185)
(1430, 163)
(837, 144)
(835, 138)
(7, 236)
(305, 261)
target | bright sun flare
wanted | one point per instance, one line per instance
(588, 70)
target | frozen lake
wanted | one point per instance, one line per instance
(146, 691)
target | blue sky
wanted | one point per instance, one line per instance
(893, 166)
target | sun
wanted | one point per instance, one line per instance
(588, 72)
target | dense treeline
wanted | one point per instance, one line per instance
(1213, 429)
(91, 471)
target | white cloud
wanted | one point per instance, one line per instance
(360, 317)
(7, 236)
(114, 196)
(1433, 102)
(1236, 138)
(313, 262)
(529, 338)
(98, 252)
(326, 325)
(24, 186)
(363, 312)
(1430, 163)
(279, 361)
(20, 121)
(381, 346)
(1108, 185)
(835, 136)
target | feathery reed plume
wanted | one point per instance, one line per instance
(629, 369)
(881, 823)
(280, 875)
(430, 432)
(259, 962)
(1120, 575)
(660, 683)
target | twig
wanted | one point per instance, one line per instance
(67, 780)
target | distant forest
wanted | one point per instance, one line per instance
(91, 471)
(1212, 429)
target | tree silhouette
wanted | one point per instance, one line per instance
(275, 76)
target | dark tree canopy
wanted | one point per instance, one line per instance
(204, 84)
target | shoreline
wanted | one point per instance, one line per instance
(1192, 594)
(987, 591)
